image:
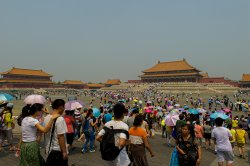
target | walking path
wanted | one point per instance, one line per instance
(159, 146)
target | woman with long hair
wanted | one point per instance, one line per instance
(199, 132)
(188, 148)
(30, 151)
(138, 143)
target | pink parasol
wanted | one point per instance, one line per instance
(171, 120)
(32, 99)
(227, 110)
(148, 111)
(73, 105)
(151, 107)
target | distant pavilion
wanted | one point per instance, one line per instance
(25, 78)
(245, 82)
(112, 82)
(74, 84)
(95, 86)
(175, 71)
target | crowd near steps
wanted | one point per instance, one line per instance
(177, 87)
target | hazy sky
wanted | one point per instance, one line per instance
(99, 39)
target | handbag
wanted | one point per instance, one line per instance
(193, 154)
(55, 158)
(174, 161)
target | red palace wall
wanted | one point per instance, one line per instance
(219, 80)
(37, 86)
(212, 80)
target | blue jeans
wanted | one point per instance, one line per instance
(77, 130)
(90, 139)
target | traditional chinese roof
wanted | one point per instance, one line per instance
(73, 82)
(168, 75)
(171, 66)
(25, 81)
(30, 72)
(245, 78)
(205, 75)
(113, 82)
(95, 85)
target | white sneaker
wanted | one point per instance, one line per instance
(92, 151)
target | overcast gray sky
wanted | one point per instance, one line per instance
(101, 39)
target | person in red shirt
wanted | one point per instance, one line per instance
(70, 126)
(198, 132)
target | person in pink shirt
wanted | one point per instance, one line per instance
(68, 117)
(198, 130)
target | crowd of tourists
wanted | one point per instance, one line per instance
(123, 124)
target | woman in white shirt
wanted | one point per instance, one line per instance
(30, 151)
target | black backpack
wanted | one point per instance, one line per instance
(108, 149)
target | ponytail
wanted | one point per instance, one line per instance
(29, 110)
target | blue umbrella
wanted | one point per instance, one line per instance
(218, 115)
(186, 107)
(96, 112)
(6, 97)
(193, 111)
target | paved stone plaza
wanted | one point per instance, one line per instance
(162, 156)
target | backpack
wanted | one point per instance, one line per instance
(107, 146)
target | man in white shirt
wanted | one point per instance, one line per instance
(58, 144)
(222, 138)
(120, 138)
